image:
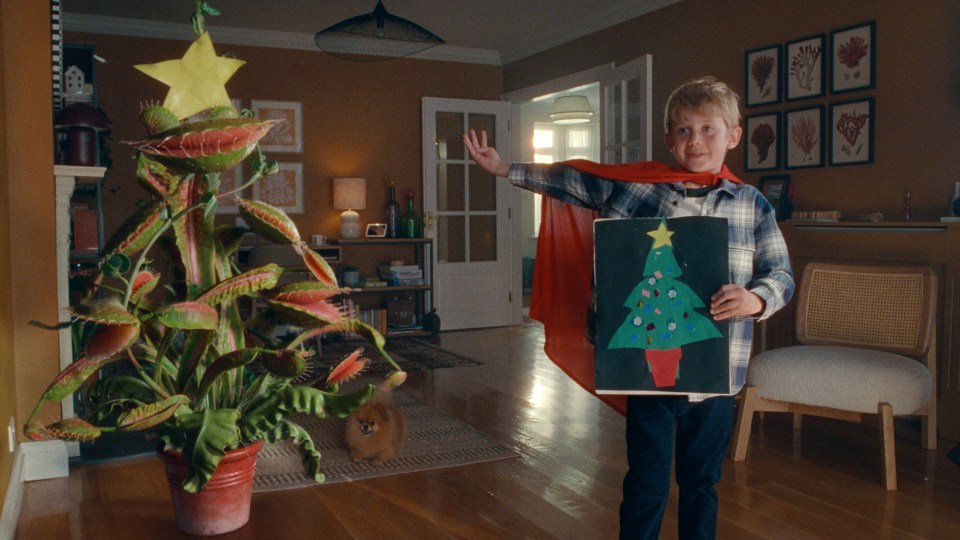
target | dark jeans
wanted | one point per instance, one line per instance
(702, 432)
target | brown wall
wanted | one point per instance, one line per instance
(917, 94)
(359, 118)
(28, 284)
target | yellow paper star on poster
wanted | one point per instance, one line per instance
(661, 236)
(197, 80)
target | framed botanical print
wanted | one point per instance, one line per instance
(803, 137)
(805, 68)
(852, 132)
(283, 189)
(287, 135)
(762, 71)
(230, 180)
(776, 189)
(853, 58)
(763, 142)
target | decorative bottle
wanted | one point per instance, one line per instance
(393, 213)
(409, 224)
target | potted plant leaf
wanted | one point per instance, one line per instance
(203, 381)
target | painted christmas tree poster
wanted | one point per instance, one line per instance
(654, 279)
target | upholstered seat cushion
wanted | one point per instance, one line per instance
(842, 378)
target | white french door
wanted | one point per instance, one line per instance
(467, 213)
(625, 107)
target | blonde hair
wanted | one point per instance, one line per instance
(706, 95)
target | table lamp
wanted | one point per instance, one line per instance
(349, 195)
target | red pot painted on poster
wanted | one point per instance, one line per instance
(224, 503)
(664, 366)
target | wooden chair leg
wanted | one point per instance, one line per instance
(741, 435)
(887, 441)
(797, 420)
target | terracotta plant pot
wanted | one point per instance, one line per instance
(224, 504)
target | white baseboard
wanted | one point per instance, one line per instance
(33, 461)
(14, 500)
(44, 459)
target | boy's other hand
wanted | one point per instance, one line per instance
(734, 301)
(486, 156)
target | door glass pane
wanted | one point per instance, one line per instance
(634, 153)
(483, 190)
(634, 102)
(451, 238)
(484, 122)
(483, 238)
(450, 135)
(613, 112)
(450, 188)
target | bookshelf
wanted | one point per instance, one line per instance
(396, 304)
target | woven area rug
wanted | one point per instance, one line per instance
(409, 353)
(434, 440)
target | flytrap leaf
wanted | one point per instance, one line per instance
(207, 145)
(269, 221)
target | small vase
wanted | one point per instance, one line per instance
(223, 505)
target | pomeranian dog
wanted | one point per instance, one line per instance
(375, 430)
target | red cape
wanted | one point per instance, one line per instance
(563, 273)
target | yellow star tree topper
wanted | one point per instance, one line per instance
(197, 81)
(661, 236)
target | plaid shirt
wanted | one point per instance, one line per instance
(758, 253)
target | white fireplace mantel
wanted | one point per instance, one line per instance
(67, 178)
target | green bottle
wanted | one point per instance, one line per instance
(409, 224)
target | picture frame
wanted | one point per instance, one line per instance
(803, 138)
(762, 75)
(376, 230)
(776, 189)
(853, 58)
(283, 189)
(805, 68)
(852, 129)
(230, 179)
(762, 132)
(286, 136)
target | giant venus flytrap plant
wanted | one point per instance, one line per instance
(201, 379)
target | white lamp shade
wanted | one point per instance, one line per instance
(571, 110)
(349, 194)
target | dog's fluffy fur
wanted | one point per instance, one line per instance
(375, 430)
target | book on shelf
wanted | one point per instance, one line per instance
(405, 282)
(400, 272)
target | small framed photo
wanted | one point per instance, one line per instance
(853, 58)
(852, 132)
(283, 189)
(806, 68)
(230, 180)
(762, 71)
(803, 136)
(376, 230)
(776, 189)
(286, 136)
(763, 142)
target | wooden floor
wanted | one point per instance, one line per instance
(565, 484)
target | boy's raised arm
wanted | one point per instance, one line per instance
(486, 156)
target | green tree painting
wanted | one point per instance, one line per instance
(663, 314)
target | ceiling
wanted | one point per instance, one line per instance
(500, 31)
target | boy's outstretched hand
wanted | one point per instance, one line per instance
(486, 156)
(734, 301)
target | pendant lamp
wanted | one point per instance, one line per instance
(375, 36)
(574, 109)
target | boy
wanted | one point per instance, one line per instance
(702, 122)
